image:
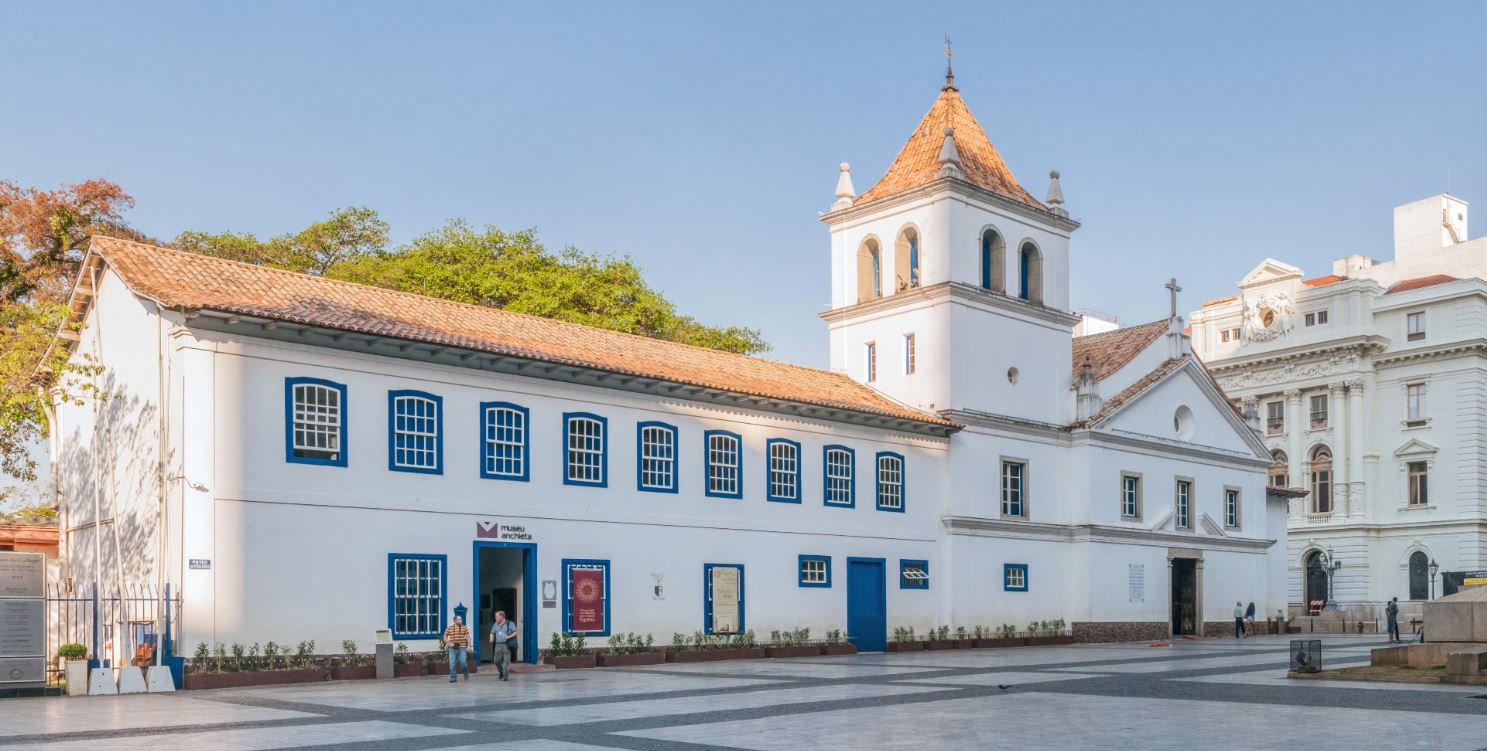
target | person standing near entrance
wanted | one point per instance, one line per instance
(1238, 620)
(457, 639)
(1391, 616)
(1249, 620)
(501, 635)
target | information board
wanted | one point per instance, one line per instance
(22, 619)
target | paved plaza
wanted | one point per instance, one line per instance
(1211, 694)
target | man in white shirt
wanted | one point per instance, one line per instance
(502, 632)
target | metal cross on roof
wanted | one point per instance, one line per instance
(1171, 285)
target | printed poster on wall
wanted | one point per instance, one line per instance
(725, 600)
(586, 585)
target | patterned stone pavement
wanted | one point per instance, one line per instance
(1210, 694)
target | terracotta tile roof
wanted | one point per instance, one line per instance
(1322, 281)
(181, 280)
(1220, 301)
(1132, 391)
(919, 159)
(1418, 282)
(38, 534)
(1109, 351)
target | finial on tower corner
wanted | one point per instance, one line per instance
(1055, 199)
(949, 156)
(949, 66)
(845, 193)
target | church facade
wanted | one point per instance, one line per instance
(311, 459)
(1369, 383)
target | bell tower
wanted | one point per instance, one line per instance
(950, 282)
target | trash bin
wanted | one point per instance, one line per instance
(1306, 655)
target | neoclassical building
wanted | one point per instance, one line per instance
(306, 458)
(1370, 383)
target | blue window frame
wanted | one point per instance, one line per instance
(913, 574)
(415, 435)
(707, 597)
(724, 451)
(314, 421)
(585, 449)
(505, 441)
(783, 482)
(1014, 577)
(416, 591)
(814, 571)
(655, 457)
(584, 564)
(890, 493)
(838, 475)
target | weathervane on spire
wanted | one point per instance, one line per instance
(949, 64)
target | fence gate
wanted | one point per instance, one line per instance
(115, 625)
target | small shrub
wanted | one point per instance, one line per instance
(1033, 627)
(834, 636)
(75, 651)
(1006, 631)
(271, 653)
(219, 656)
(400, 653)
(1056, 626)
(774, 636)
(443, 650)
(942, 633)
(979, 631)
(960, 632)
(203, 653)
(678, 642)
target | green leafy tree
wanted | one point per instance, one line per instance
(346, 235)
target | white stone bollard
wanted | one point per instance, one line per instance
(101, 682)
(159, 680)
(77, 677)
(131, 680)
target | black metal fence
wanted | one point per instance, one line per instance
(112, 623)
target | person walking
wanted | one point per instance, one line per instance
(501, 634)
(1391, 616)
(457, 639)
(1249, 620)
(1238, 620)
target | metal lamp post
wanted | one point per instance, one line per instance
(1330, 565)
(1434, 567)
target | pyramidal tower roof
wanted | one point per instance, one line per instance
(919, 159)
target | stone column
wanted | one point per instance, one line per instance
(1294, 432)
(1357, 419)
(1338, 420)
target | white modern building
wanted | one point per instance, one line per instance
(307, 458)
(1371, 386)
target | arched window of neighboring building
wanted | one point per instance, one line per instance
(869, 270)
(1419, 576)
(993, 261)
(1316, 578)
(1279, 470)
(906, 260)
(1030, 273)
(1321, 480)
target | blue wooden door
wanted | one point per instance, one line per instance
(867, 607)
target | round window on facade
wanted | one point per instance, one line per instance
(1182, 423)
(1012, 376)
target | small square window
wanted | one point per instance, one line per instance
(1311, 319)
(1321, 317)
(1319, 411)
(1415, 326)
(815, 571)
(1014, 577)
(913, 574)
(1224, 335)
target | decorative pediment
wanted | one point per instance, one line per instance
(1268, 272)
(1415, 447)
(1212, 527)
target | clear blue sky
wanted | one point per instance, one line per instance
(702, 139)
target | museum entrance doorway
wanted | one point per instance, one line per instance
(1184, 596)
(506, 581)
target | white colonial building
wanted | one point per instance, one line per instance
(1371, 386)
(306, 458)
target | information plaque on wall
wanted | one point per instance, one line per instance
(22, 620)
(1136, 581)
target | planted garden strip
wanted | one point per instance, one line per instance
(630, 659)
(254, 678)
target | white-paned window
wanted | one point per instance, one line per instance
(890, 482)
(415, 431)
(1014, 479)
(1419, 485)
(815, 571)
(586, 449)
(504, 455)
(1184, 504)
(657, 457)
(839, 469)
(318, 427)
(1414, 395)
(724, 464)
(1415, 326)
(1275, 418)
(1319, 411)
(1130, 496)
(784, 470)
(1231, 508)
(417, 596)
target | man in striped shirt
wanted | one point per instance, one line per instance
(457, 639)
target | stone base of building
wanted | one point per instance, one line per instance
(1088, 632)
(1219, 629)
